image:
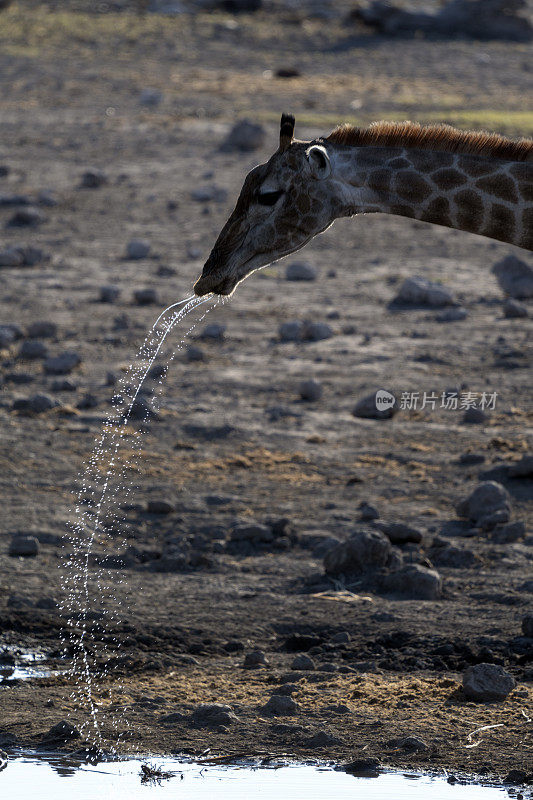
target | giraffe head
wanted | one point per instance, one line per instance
(282, 205)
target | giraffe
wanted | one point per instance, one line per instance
(473, 181)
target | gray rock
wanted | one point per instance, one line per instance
(451, 315)
(291, 331)
(193, 353)
(42, 330)
(300, 271)
(150, 98)
(29, 217)
(62, 732)
(244, 137)
(136, 249)
(213, 332)
(33, 349)
(421, 292)
(252, 532)
(62, 364)
(281, 705)
(454, 557)
(21, 256)
(142, 410)
(378, 405)
(63, 385)
(208, 715)
(512, 532)
(109, 294)
(145, 297)
(93, 178)
(367, 511)
(11, 257)
(412, 744)
(287, 689)
(483, 682)
(47, 198)
(522, 468)
(474, 416)
(399, 532)
(322, 739)
(303, 662)
(36, 404)
(255, 659)
(310, 390)
(316, 331)
(10, 334)
(366, 549)
(343, 637)
(515, 277)
(487, 506)
(160, 507)
(414, 581)
(527, 625)
(206, 194)
(512, 309)
(23, 546)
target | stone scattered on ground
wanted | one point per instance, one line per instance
(62, 364)
(487, 506)
(64, 731)
(303, 662)
(281, 705)
(486, 682)
(512, 309)
(421, 292)
(300, 271)
(36, 404)
(208, 715)
(145, 297)
(93, 178)
(150, 98)
(214, 332)
(255, 659)
(515, 277)
(29, 217)
(310, 390)
(137, 249)
(399, 532)
(244, 137)
(42, 329)
(109, 293)
(23, 546)
(414, 580)
(377, 405)
(366, 549)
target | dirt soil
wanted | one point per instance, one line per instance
(171, 623)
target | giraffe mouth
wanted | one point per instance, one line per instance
(212, 284)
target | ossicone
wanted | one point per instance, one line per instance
(286, 131)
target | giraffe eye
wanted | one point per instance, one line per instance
(269, 198)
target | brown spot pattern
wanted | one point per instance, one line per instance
(438, 211)
(380, 180)
(411, 186)
(527, 225)
(501, 223)
(448, 179)
(399, 163)
(424, 160)
(499, 186)
(469, 210)
(475, 167)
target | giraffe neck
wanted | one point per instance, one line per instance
(472, 193)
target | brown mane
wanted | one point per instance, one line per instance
(433, 137)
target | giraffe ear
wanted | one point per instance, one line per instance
(286, 131)
(318, 158)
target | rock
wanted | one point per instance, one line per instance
(251, 532)
(63, 385)
(62, 364)
(208, 715)
(109, 294)
(193, 354)
(522, 468)
(515, 277)
(21, 256)
(506, 534)
(291, 331)
(483, 682)
(281, 705)
(399, 533)
(156, 372)
(303, 662)
(512, 309)
(142, 410)
(206, 194)
(316, 331)
(421, 292)
(343, 637)
(93, 178)
(150, 98)
(362, 766)
(487, 506)
(287, 689)
(23, 546)
(160, 507)
(255, 659)
(11, 257)
(46, 603)
(454, 557)
(300, 271)
(62, 732)
(145, 297)
(451, 315)
(474, 416)
(42, 330)
(47, 199)
(7, 200)
(412, 744)
(415, 581)
(471, 459)
(33, 349)
(322, 739)
(213, 332)
(136, 249)
(378, 405)
(36, 404)
(310, 391)
(367, 511)
(244, 137)
(366, 549)
(10, 334)
(29, 217)
(527, 625)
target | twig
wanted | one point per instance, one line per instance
(479, 730)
